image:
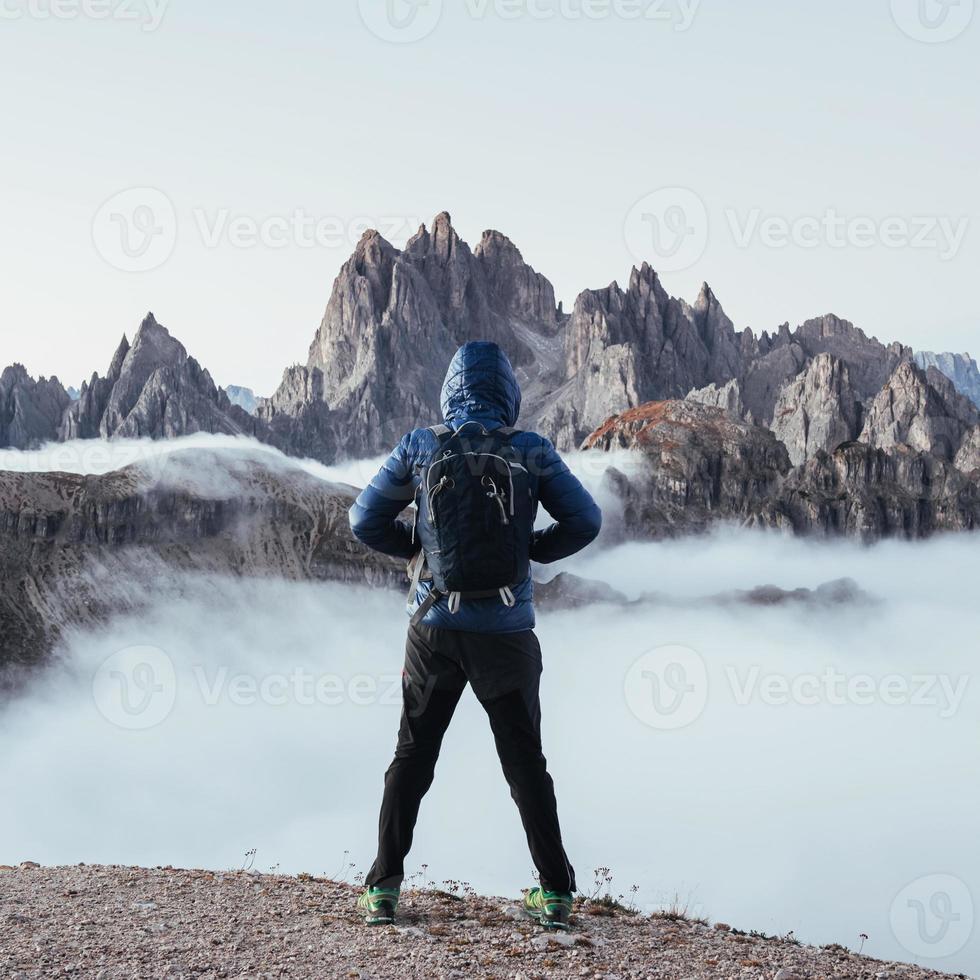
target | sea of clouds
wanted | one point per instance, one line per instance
(782, 768)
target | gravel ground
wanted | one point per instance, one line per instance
(115, 922)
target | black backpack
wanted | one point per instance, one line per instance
(474, 517)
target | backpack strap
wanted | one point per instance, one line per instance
(430, 600)
(415, 567)
(440, 430)
(505, 594)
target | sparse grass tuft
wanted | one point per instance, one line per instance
(458, 889)
(444, 895)
(679, 910)
(601, 901)
(346, 867)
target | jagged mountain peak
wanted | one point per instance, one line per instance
(150, 327)
(830, 325)
(645, 274)
(14, 372)
(17, 372)
(30, 411)
(706, 297)
(908, 374)
(708, 308)
(514, 288)
(153, 345)
(371, 240)
(154, 389)
(442, 223)
(870, 362)
(921, 409)
(491, 238)
(442, 240)
(118, 359)
(495, 246)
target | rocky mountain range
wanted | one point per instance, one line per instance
(822, 405)
(393, 314)
(153, 389)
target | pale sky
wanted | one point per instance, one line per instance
(828, 155)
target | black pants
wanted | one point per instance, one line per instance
(504, 670)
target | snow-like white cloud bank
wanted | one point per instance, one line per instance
(179, 461)
(157, 457)
(780, 768)
(97, 456)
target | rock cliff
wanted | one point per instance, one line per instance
(873, 493)
(920, 409)
(817, 410)
(702, 467)
(74, 549)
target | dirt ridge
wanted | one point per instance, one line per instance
(90, 921)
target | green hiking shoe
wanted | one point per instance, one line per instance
(378, 906)
(552, 910)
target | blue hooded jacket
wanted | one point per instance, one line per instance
(480, 386)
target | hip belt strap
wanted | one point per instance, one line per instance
(505, 594)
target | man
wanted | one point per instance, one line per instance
(477, 483)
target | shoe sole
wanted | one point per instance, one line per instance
(384, 915)
(547, 923)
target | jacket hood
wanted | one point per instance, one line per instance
(480, 386)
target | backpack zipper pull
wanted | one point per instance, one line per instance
(444, 482)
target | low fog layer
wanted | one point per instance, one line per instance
(188, 461)
(808, 815)
(95, 456)
(775, 768)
